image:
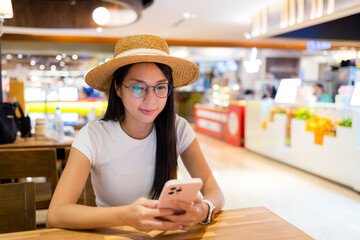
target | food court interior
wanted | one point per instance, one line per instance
(276, 108)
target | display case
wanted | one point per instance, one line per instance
(226, 124)
(335, 157)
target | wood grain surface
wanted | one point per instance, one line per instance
(31, 142)
(246, 223)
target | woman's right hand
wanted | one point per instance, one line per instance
(144, 216)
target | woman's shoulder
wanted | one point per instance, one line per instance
(181, 123)
(179, 119)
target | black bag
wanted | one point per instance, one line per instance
(23, 123)
(10, 124)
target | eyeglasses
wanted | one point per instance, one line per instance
(139, 90)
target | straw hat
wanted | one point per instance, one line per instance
(137, 49)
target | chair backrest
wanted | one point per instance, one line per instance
(17, 207)
(89, 195)
(18, 163)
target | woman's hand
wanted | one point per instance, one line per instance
(144, 216)
(194, 213)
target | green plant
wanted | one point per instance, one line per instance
(302, 113)
(346, 122)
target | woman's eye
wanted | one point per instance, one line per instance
(139, 88)
(161, 87)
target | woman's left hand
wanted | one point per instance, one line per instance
(194, 213)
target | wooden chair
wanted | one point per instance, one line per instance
(87, 197)
(17, 207)
(16, 163)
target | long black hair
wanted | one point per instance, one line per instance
(166, 155)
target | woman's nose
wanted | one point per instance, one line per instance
(150, 94)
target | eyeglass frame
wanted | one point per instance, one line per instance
(147, 89)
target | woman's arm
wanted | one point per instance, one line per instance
(195, 163)
(197, 166)
(65, 213)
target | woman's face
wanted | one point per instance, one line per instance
(142, 110)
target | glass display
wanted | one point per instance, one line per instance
(355, 99)
(287, 90)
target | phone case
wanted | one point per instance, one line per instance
(184, 190)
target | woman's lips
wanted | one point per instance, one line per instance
(147, 112)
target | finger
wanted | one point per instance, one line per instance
(163, 225)
(198, 199)
(184, 205)
(187, 225)
(148, 203)
(163, 212)
(177, 218)
(154, 213)
(157, 213)
(188, 218)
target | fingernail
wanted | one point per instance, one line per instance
(179, 227)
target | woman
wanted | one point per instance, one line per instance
(133, 150)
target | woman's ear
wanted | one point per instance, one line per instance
(117, 90)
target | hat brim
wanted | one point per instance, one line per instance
(184, 72)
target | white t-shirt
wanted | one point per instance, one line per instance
(122, 168)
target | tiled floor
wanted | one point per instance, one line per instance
(322, 209)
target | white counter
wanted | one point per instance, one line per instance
(338, 159)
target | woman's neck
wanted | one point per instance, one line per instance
(136, 131)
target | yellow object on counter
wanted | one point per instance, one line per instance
(80, 107)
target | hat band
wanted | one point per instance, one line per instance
(141, 51)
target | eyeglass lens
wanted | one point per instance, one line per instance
(138, 90)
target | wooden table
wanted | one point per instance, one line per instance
(31, 142)
(246, 223)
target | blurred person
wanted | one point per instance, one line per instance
(320, 95)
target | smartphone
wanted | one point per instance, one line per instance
(179, 189)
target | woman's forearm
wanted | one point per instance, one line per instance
(217, 198)
(74, 216)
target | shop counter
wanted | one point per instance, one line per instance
(226, 124)
(337, 157)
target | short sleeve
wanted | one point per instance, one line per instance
(84, 144)
(185, 134)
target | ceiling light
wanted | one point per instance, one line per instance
(74, 56)
(32, 62)
(247, 35)
(123, 17)
(101, 16)
(20, 55)
(99, 29)
(58, 57)
(186, 15)
(128, 11)
(109, 13)
(252, 64)
(42, 67)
